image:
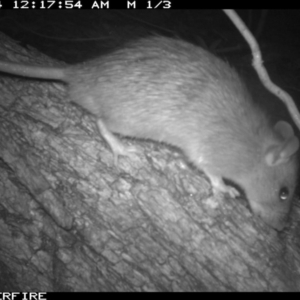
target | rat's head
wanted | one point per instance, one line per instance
(270, 186)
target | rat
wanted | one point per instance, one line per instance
(171, 91)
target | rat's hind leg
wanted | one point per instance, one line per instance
(115, 144)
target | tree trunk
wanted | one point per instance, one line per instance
(70, 220)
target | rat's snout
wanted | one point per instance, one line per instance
(278, 225)
(276, 221)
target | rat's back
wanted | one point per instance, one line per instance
(168, 90)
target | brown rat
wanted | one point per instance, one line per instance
(171, 91)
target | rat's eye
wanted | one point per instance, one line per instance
(283, 193)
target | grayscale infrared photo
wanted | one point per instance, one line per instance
(149, 150)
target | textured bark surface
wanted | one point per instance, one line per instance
(72, 221)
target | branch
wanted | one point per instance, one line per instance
(261, 71)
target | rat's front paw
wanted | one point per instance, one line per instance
(233, 192)
(219, 186)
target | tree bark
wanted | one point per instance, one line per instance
(70, 220)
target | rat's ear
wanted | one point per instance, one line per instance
(280, 154)
(284, 129)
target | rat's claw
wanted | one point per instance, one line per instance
(233, 192)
